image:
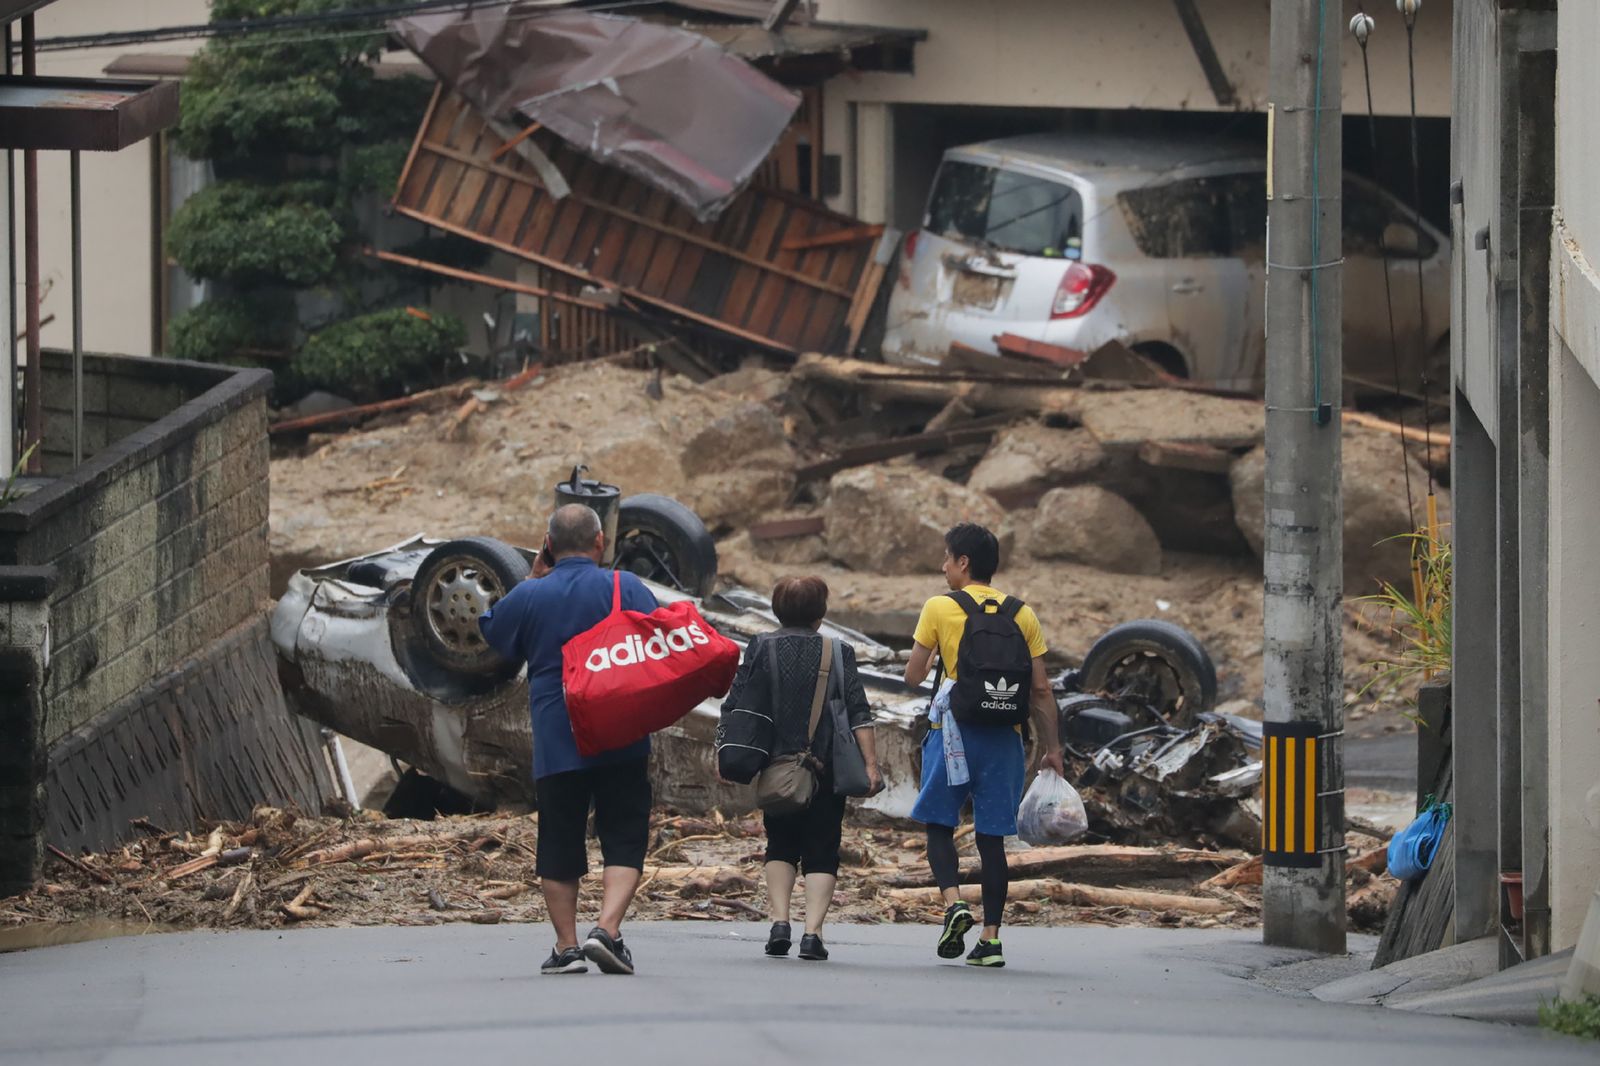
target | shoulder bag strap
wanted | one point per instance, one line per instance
(616, 592)
(772, 669)
(823, 670)
(838, 667)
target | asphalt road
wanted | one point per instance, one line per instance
(460, 993)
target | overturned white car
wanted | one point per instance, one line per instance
(385, 649)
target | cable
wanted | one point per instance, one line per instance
(1365, 22)
(1408, 11)
(1320, 414)
(239, 28)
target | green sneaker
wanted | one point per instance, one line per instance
(953, 939)
(986, 953)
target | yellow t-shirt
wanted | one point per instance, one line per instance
(943, 622)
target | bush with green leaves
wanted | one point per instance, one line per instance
(251, 233)
(380, 354)
(1575, 1017)
(235, 329)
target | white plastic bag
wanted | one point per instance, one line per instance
(1052, 812)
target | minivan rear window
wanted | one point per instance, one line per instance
(1007, 210)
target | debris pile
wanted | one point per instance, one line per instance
(280, 870)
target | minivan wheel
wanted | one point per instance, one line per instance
(661, 540)
(1164, 356)
(1154, 663)
(454, 586)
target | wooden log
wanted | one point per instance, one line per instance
(1075, 896)
(1245, 873)
(986, 393)
(1100, 863)
(361, 411)
(1175, 455)
(1050, 353)
(83, 868)
(1411, 433)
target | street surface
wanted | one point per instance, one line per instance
(704, 995)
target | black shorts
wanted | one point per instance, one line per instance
(809, 839)
(620, 795)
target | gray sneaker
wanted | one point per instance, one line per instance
(565, 960)
(607, 952)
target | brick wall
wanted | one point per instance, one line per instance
(161, 694)
(161, 544)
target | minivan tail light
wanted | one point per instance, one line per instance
(907, 253)
(1080, 289)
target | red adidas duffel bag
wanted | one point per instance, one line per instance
(635, 673)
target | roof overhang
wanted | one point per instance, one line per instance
(15, 9)
(83, 114)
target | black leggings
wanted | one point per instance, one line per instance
(947, 869)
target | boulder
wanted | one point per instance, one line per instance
(735, 498)
(1091, 525)
(891, 519)
(1374, 484)
(644, 463)
(729, 442)
(1026, 461)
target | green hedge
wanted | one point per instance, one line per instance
(378, 355)
(249, 233)
(228, 329)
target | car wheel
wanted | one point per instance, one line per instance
(1156, 664)
(661, 540)
(457, 582)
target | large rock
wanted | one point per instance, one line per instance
(891, 519)
(729, 442)
(1090, 525)
(1125, 420)
(1026, 461)
(1375, 514)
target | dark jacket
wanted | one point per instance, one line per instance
(799, 656)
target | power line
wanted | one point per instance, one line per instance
(239, 28)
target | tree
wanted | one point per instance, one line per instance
(300, 131)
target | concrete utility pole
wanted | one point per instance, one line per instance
(1303, 794)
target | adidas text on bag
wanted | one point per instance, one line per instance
(994, 668)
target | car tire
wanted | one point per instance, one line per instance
(661, 540)
(1155, 663)
(457, 582)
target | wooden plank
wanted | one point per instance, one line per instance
(1013, 344)
(738, 302)
(797, 307)
(850, 235)
(483, 279)
(472, 162)
(416, 144)
(510, 144)
(642, 297)
(1416, 434)
(877, 451)
(869, 288)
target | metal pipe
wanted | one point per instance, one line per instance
(8, 443)
(32, 374)
(347, 784)
(1303, 881)
(76, 183)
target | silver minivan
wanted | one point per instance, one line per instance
(1077, 240)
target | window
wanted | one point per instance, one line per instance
(1367, 214)
(1199, 218)
(1008, 210)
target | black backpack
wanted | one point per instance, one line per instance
(994, 668)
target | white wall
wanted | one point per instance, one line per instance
(1574, 667)
(117, 194)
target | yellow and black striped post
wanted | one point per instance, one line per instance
(1297, 811)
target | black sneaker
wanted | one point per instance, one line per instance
(957, 920)
(779, 939)
(986, 953)
(565, 960)
(811, 948)
(607, 952)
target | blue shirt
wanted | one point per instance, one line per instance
(534, 621)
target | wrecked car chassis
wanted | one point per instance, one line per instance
(350, 659)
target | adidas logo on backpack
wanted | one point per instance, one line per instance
(1002, 697)
(991, 662)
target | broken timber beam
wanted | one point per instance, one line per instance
(849, 235)
(1179, 455)
(348, 414)
(986, 393)
(877, 451)
(482, 279)
(1101, 864)
(1415, 434)
(1193, 25)
(1075, 896)
(1012, 344)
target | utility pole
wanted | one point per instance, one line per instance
(1303, 781)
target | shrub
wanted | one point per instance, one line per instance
(1573, 1017)
(234, 328)
(380, 354)
(249, 233)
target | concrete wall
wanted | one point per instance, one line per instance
(119, 248)
(1574, 615)
(160, 542)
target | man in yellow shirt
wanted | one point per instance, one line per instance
(981, 761)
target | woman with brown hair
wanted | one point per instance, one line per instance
(808, 839)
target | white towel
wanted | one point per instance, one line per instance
(955, 753)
